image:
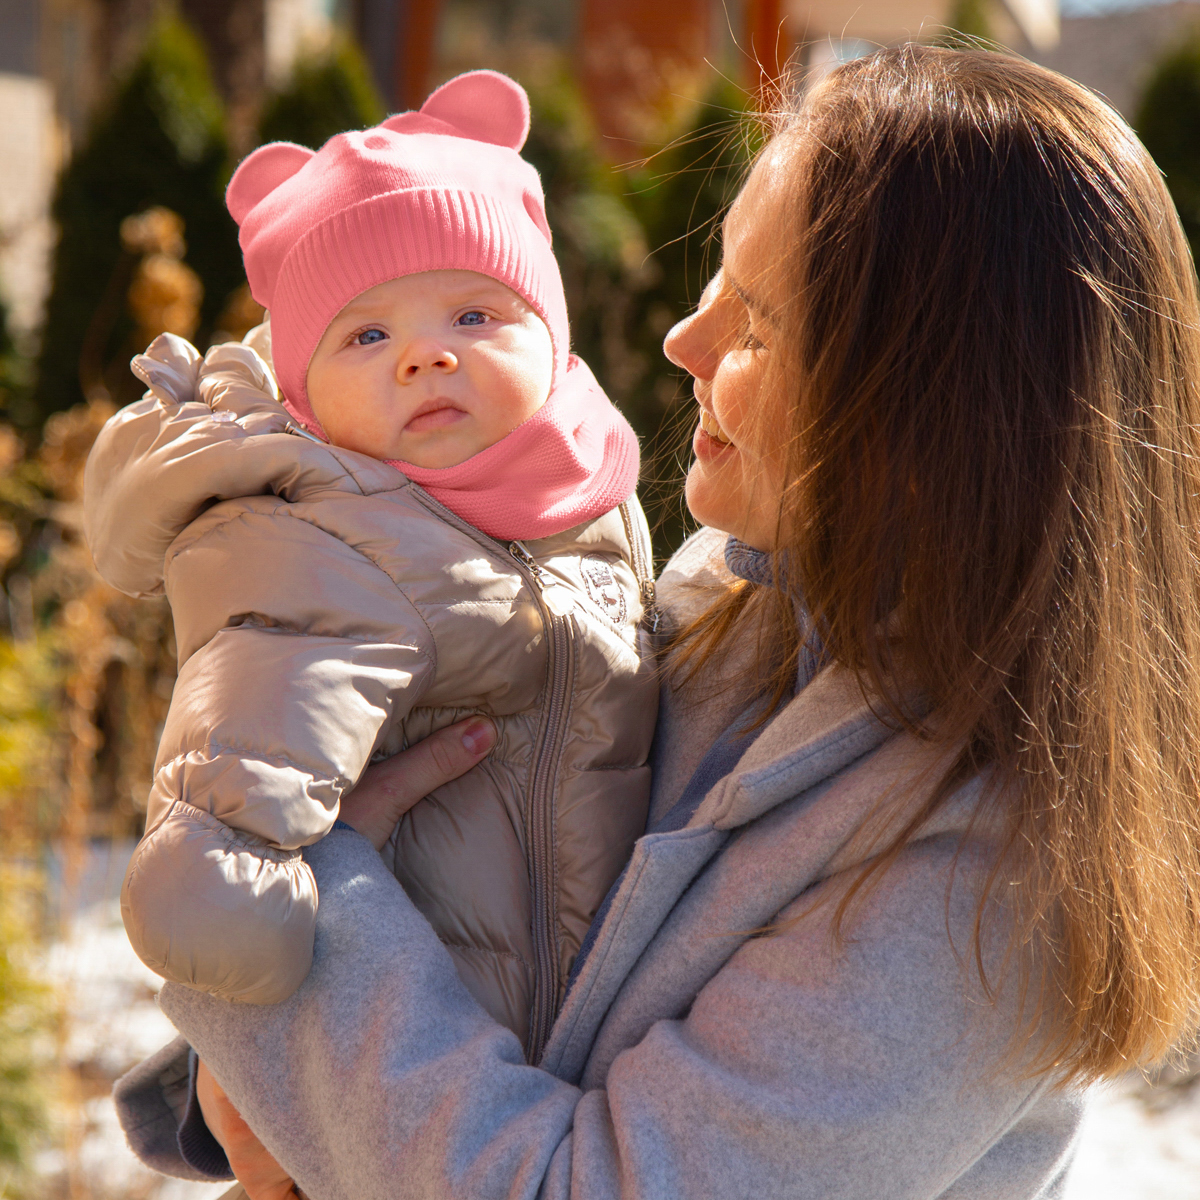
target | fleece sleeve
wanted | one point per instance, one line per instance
(797, 1071)
(281, 700)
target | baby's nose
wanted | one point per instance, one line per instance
(424, 356)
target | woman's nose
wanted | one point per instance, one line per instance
(691, 345)
(423, 355)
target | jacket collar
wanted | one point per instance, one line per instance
(828, 725)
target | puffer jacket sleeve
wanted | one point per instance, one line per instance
(279, 705)
(160, 462)
(297, 654)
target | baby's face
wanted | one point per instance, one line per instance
(430, 368)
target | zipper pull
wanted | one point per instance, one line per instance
(294, 429)
(556, 597)
(531, 564)
(640, 563)
(651, 615)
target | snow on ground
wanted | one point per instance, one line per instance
(112, 1022)
(1137, 1142)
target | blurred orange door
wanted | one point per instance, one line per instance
(416, 34)
(765, 41)
(632, 53)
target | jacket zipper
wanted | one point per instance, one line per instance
(554, 605)
(560, 671)
(560, 668)
(641, 567)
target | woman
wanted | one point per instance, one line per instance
(922, 858)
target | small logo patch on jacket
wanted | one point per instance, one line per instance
(602, 588)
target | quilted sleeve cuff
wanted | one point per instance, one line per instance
(197, 1146)
(152, 1102)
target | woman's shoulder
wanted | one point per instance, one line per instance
(699, 560)
(694, 575)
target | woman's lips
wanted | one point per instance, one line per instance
(710, 440)
(708, 449)
(434, 418)
(712, 427)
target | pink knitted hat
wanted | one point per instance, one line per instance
(442, 188)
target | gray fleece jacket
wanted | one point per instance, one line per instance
(691, 1058)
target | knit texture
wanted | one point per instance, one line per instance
(439, 189)
(572, 461)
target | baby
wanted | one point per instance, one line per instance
(437, 521)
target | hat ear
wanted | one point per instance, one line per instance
(483, 105)
(261, 173)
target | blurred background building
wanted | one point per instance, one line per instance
(640, 66)
(120, 122)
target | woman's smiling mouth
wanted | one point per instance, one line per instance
(709, 424)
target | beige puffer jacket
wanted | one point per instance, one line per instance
(328, 611)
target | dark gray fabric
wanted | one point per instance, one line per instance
(150, 1122)
(757, 566)
(197, 1146)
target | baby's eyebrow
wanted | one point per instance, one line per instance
(355, 310)
(482, 294)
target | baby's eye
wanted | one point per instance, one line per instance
(369, 337)
(474, 318)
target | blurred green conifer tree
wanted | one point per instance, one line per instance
(680, 197)
(328, 93)
(15, 376)
(968, 25)
(1168, 122)
(636, 246)
(160, 140)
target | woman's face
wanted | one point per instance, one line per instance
(736, 481)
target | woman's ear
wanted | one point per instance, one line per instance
(484, 105)
(260, 173)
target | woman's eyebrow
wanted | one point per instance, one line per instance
(743, 295)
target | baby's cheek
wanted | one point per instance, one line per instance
(518, 392)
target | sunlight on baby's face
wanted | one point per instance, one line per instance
(430, 369)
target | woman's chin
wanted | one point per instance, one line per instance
(718, 499)
(709, 502)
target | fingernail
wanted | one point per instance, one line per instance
(479, 736)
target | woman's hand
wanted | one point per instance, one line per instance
(390, 788)
(252, 1163)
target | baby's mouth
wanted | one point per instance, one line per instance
(437, 414)
(710, 426)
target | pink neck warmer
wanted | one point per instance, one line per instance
(572, 461)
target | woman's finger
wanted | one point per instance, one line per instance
(255, 1167)
(390, 788)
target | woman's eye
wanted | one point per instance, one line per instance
(369, 337)
(473, 318)
(750, 342)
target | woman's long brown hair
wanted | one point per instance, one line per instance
(991, 350)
